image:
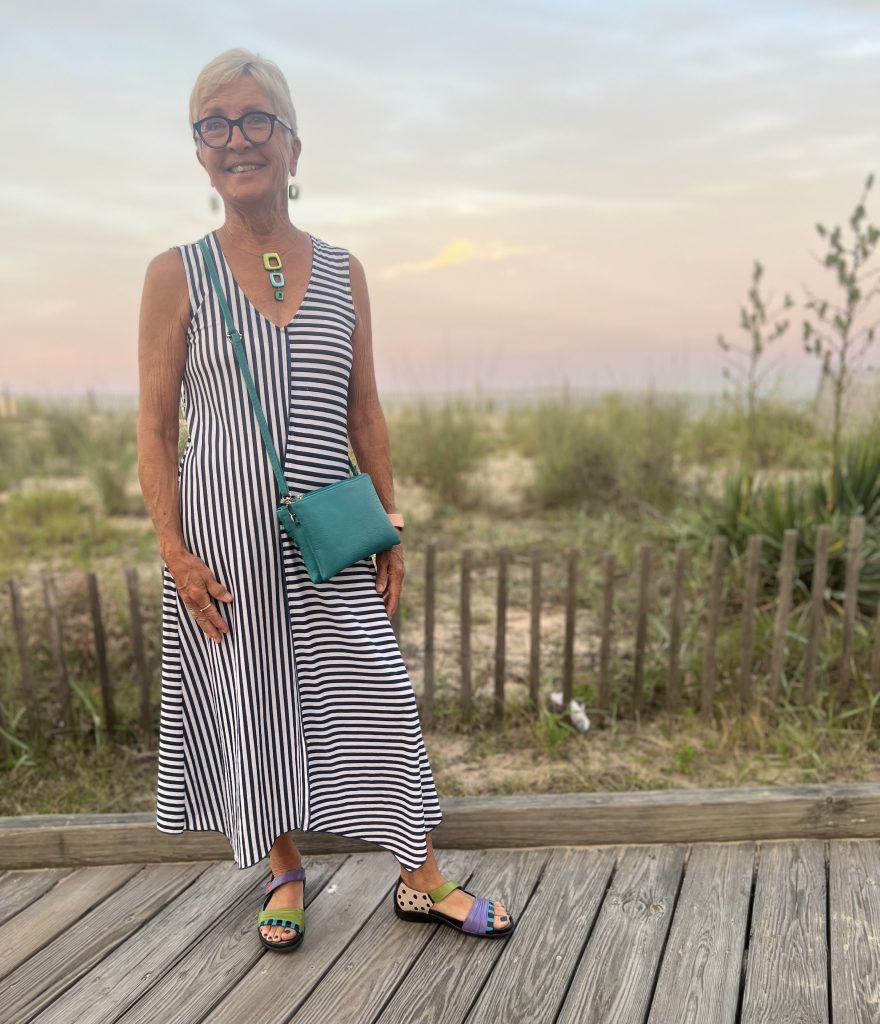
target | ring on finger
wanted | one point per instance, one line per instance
(207, 606)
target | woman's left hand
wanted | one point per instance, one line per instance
(389, 576)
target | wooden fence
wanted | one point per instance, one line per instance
(40, 703)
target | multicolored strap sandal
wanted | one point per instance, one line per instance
(292, 918)
(414, 905)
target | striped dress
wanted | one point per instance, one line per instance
(303, 717)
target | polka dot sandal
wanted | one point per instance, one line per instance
(291, 918)
(414, 905)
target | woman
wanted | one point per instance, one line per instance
(285, 703)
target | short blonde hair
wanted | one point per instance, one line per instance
(232, 64)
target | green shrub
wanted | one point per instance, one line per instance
(439, 447)
(616, 452)
(55, 525)
(786, 436)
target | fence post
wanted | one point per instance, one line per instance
(641, 629)
(101, 653)
(535, 632)
(750, 596)
(817, 610)
(707, 690)
(875, 655)
(501, 635)
(850, 604)
(465, 620)
(28, 696)
(673, 676)
(430, 595)
(568, 640)
(605, 642)
(56, 639)
(140, 660)
(783, 612)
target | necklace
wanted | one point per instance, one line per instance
(272, 263)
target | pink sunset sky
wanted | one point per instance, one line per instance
(540, 193)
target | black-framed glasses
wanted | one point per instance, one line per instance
(256, 126)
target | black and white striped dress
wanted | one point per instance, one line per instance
(303, 717)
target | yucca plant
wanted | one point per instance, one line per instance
(745, 508)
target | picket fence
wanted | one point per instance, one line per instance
(39, 706)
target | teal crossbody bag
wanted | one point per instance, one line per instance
(333, 526)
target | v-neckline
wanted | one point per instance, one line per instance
(253, 305)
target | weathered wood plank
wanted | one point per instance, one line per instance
(700, 972)
(854, 901)
(787, 963)
(528, 989)
(19, 888)
(613, 981)
(833, 810)
(224, 954)
(326, 985)
(73, 896)
(136, 964)
(448, 976)
(50, 972)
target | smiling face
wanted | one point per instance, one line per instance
(243, 173)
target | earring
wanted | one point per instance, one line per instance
(292, 191)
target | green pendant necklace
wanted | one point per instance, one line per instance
(272, 263)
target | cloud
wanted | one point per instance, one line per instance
(857, 50)
(460, 251)
(350, 209)
(746, 125)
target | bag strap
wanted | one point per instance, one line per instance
(235, 338)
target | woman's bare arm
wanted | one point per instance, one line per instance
(368, 431)
(161, 360)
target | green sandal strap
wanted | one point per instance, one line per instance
(442, 890)
(287, 916)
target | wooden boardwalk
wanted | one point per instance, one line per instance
(777, 932)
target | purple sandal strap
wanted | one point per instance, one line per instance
(477, 920)
(295, 875)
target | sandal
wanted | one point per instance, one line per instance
(290, 918)
(414, 905)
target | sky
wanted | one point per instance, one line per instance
(542, 194)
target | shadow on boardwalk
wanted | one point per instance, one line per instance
(773, 932)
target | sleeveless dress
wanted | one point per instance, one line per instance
(303, 717)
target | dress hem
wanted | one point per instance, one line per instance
(324, 831)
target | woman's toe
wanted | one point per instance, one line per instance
(500, 919)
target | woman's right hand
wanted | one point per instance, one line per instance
(198, 589)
